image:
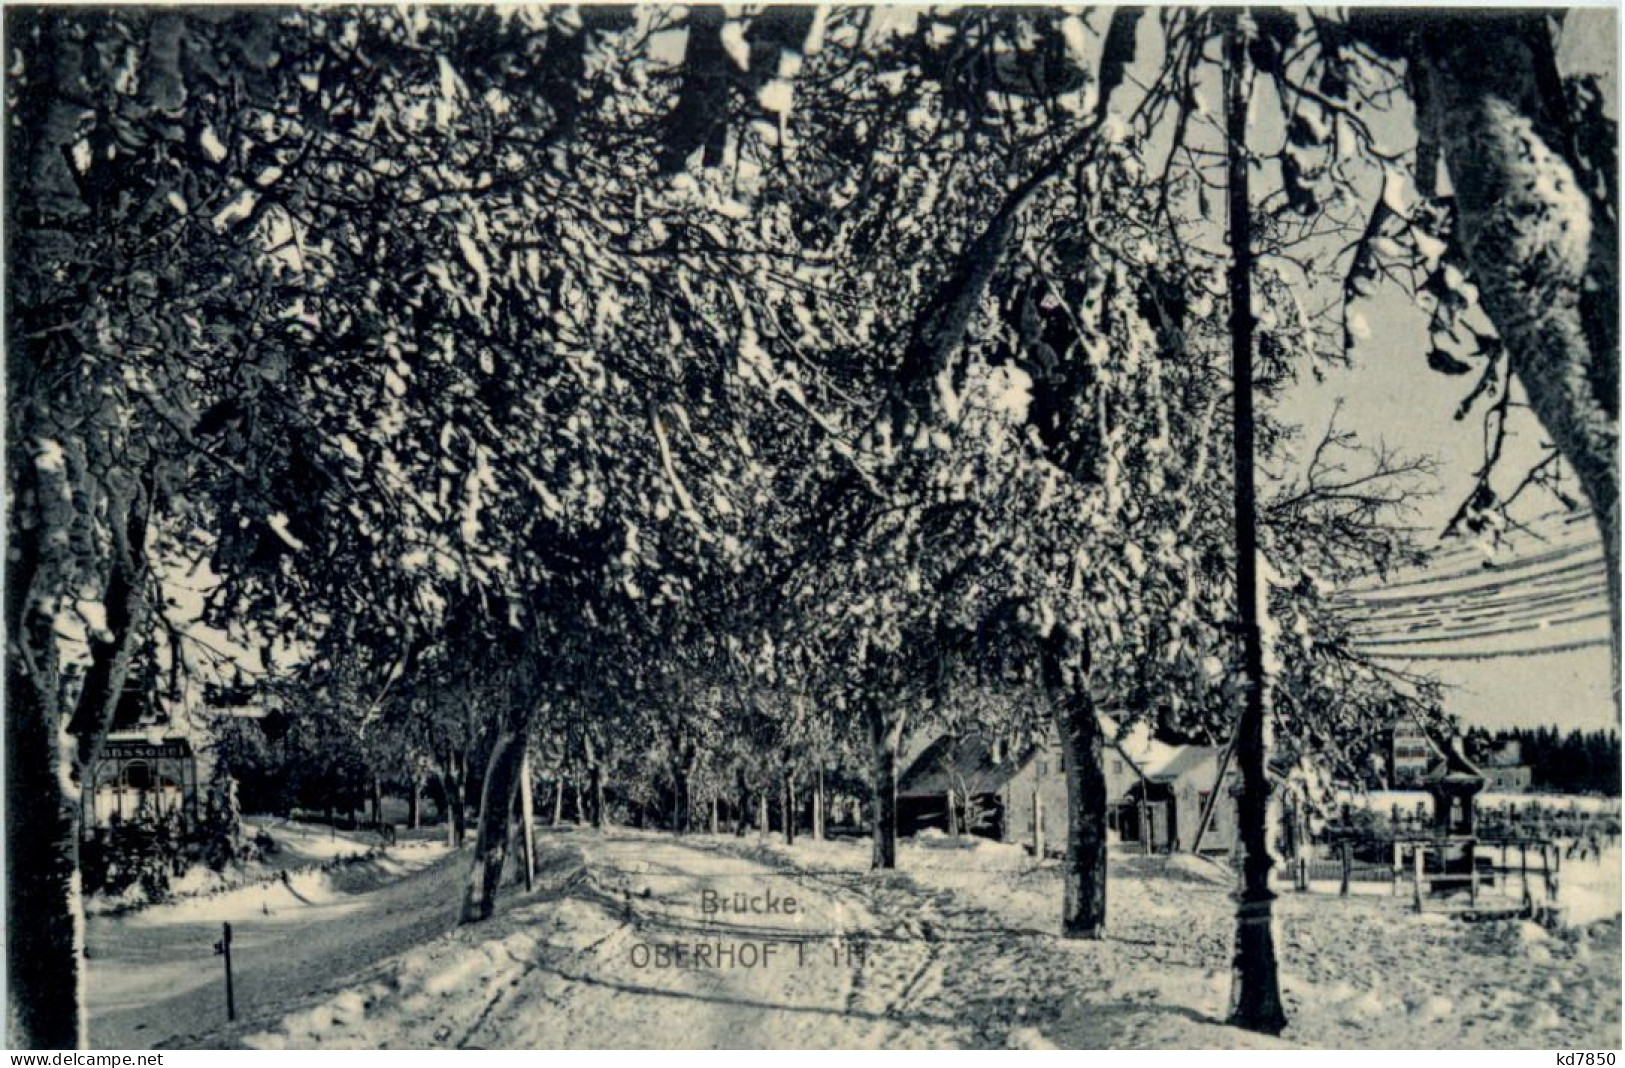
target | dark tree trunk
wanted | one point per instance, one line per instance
(44, 947)
(473, 785)
(1064, 667)
(414, 803)
(743, 805)
(679, 801)
(501, 787)
(595, 779)
(452, 787)
(1255, 1001)
(43, 957)
(885, 735)
(819, 801)
(1084, 873)
(789, 807)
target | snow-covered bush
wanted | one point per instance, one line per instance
(142, 853)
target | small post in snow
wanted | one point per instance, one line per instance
(222, 948)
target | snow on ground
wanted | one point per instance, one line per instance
(1384, 801)
(152, 974)
(300, 847)
(1589, 889)
(959, 948)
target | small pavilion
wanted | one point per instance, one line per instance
(1454, 783)
(137, 777)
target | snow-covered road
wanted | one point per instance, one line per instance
(621, 944)
(153, 979)
(618, 949)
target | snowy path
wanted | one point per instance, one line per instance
(586, 962)
(154, 981)
(959, 949)
(578, 963)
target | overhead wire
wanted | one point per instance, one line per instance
(1562, 586)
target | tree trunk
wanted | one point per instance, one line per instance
(377, 801)
(414, 803)
(1255, 1000)
(818, 803)
(452, 787)
(716, 817)
(558, 804)
(527, 821)
(885, 736)
(1493, 102)
(761, 813)
(679, 801)
(1083, 872)
(595, 786)
(43, 936)
(472, 785)
(743, 805)
(789, 808)
(502, 775)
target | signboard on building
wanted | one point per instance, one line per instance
(125, 749)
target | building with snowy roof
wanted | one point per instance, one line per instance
(1156, 793)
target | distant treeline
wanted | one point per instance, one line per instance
(1579, 762)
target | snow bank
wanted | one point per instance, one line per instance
(434, 994)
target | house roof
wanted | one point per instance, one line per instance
(1451, 767)
(1184, 759)
(1137, 745)
(965, 763)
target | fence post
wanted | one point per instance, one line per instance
(222, 948)
(1472, 874)
(1523, 868)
